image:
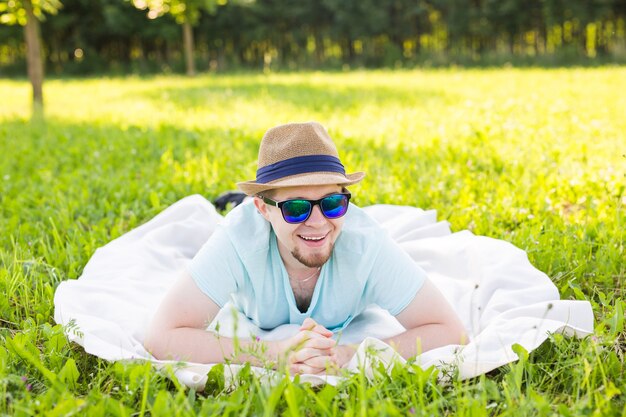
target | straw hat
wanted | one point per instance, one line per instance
(297, 154)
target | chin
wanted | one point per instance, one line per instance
(312, 260)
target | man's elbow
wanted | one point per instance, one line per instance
(458, 334)
(154, 343)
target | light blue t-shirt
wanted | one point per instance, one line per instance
(240, 262)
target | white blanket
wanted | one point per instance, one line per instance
(501, 298)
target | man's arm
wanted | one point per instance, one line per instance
(178, 331)
(430, 322)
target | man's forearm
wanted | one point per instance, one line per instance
(202, 346)
(421, 339)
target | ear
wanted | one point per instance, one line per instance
(261, 207)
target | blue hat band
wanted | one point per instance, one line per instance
(299, 165)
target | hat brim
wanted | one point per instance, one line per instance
(317, 178)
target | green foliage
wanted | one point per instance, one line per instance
(181, 10)
(96, 36)
(535, 157)
(12, 12)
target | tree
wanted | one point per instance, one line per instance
(27, 13)
(187, 14)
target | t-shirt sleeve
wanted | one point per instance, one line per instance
(395, 278)
(216, 268)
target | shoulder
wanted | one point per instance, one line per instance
(361, 234)
(246, 229)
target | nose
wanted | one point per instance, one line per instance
(316, 218)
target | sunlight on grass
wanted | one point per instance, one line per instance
(535, 157)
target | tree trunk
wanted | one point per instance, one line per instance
(33, 58)
(188, 48)
(319, 48)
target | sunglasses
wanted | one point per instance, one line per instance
(298, 210)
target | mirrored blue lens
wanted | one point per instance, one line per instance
(296, 211)
(334, 206)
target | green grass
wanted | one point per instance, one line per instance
(535, 157)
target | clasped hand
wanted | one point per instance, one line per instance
(313, 351)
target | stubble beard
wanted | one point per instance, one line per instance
(313, 261)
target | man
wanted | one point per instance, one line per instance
(299, 253)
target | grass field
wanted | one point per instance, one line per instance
(534, 157)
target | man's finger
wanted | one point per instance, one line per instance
(319, 329)
(305, 354)
(318, 343)
(308, 324)
(304, 335)
(311, 339)
(301, 368)
(322, 361)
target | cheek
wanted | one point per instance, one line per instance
(275, 217)
(337, 225)
(281, 228)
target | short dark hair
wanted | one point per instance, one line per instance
(267, 193)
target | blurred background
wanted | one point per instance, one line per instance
(86, 37)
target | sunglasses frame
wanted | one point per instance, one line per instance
(313, 203)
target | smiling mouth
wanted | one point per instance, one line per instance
(313, 240)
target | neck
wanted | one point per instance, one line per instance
(306, 278)
(293, 266)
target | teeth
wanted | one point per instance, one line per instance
(312, 238)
